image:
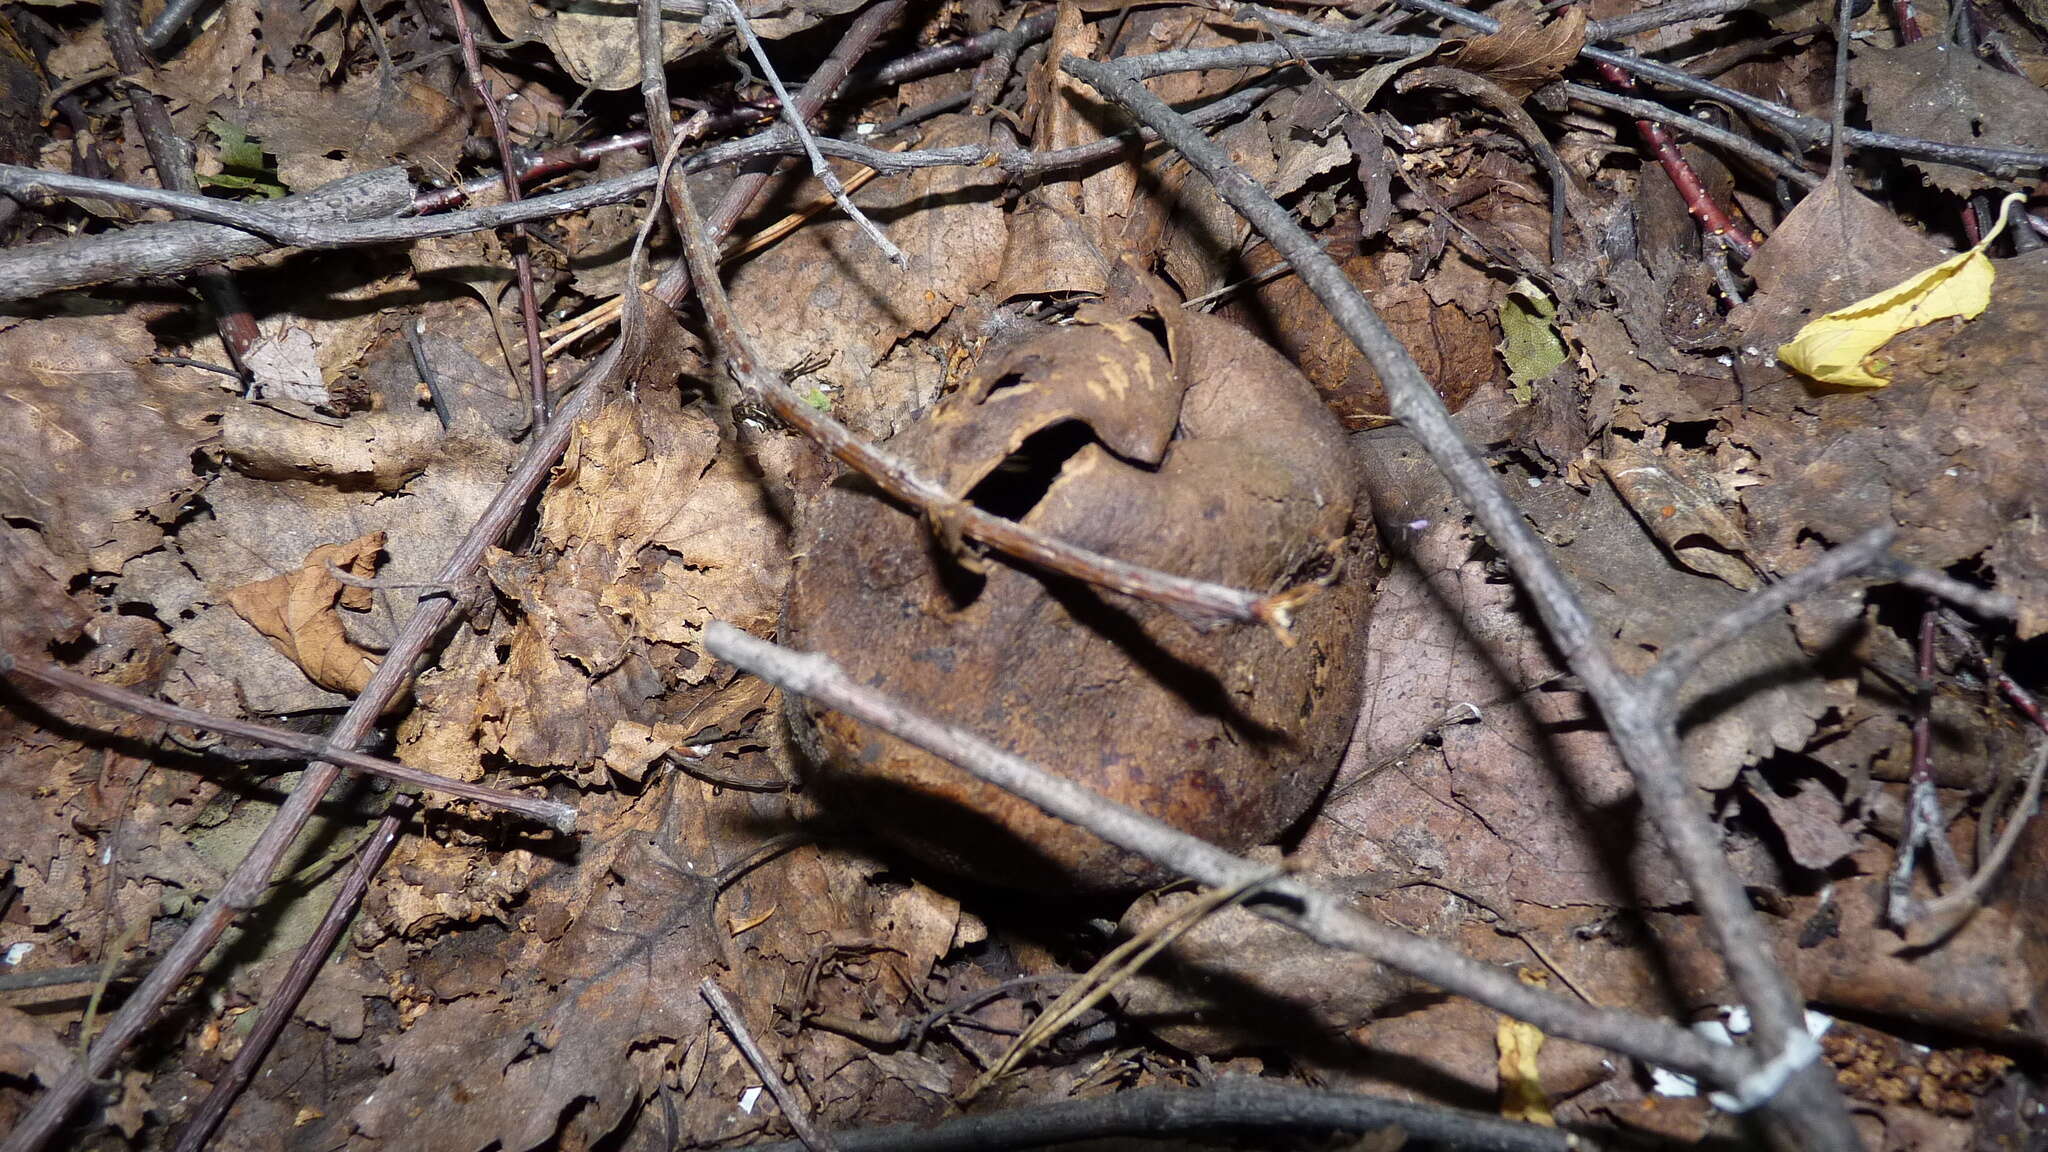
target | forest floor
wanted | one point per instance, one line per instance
(392, 465)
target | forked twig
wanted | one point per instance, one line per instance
(1639, 720)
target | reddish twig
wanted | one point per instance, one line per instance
(558, 815)
(522, 261)
(1698, 200)
(238, 332)
(277, 1010)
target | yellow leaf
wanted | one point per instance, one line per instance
(1521, 1087)
(1835, 348)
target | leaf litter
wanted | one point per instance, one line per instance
(252, 552)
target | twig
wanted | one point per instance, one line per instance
(1494, 97)
(1938, 918)
(945, 57)
(1694, 126)
(277, 1009)
(553, 813)
(1262, 1106)
(752, 181)
(1642, 727)
(1683, 659)
(793, 1109)
(1116, 967)
(1197, 600)
(795, 119)
(238, 331)
(1663, 16)
(1315, 912)
(1704, 208)
(167, 23)
(168, 249)
(1807, 130)
(363, 209)
(522, 262)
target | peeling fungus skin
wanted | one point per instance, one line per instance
(1205, 455)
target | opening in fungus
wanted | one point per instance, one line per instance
(1015, 486)
(1012, 489)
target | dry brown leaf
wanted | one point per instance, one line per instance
(1687, 522)
(1523, 55)
(97, 436)
(297, 612)
(1933, 90)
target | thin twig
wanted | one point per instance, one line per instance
(795, 119)
(1713, 218)
(167, 151)
(1807, 130)
(1734, 142)
(277, 1009)
(1642, 726)
(560, 816)
(522, 261)
(1936, 919)
(793, 1109)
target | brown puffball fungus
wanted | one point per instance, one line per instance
(1204, 454)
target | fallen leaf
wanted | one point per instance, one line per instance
(296, 612)
(1523, 55)
(1932, 90)
(1836, 348)
(1521, 1081)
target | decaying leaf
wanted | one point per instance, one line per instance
(1524, 55)
(1211, 457)
(1529, 338)
(298, 612)
(1687, 522)
(1934, 90)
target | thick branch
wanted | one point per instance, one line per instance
(1261, 1106)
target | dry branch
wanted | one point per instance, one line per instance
(1640, 720)
(1312, 911)
(561, 816)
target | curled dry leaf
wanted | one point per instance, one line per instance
(1210, 457)
(1688, 523)
(1524, 55)
(297, 613)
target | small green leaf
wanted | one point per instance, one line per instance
(1531, 345)
(816, 398)
(242, 163)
